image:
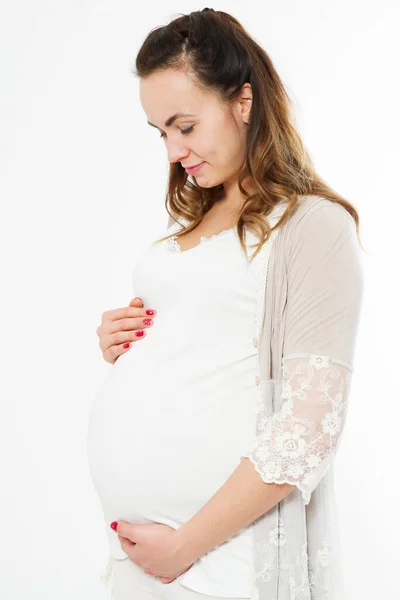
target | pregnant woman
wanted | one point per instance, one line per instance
(211, 441)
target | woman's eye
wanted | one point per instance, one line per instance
(183, 131)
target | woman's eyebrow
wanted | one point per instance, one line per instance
(172, 119)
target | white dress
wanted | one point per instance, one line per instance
(177, 410)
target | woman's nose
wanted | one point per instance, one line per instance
(177, 153)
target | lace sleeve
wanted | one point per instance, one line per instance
(296, 444)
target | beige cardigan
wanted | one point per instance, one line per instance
(310, 317)
(308, 307)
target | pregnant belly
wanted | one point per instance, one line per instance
(161, 459)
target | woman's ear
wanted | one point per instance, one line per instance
(246, 101)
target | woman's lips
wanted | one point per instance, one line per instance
(194, 169)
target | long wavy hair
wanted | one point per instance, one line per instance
(220, 56)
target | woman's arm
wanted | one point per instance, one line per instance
(243, 498)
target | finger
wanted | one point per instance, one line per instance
(124, 530)
(116, 313)
(119, 313)
(127, 546)
(125, 539)
(136, 301)
(140, 321)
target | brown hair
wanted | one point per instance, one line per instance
(220, 56)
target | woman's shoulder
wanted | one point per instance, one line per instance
(316, 213)
(318, 225)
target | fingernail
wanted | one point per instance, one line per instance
(114, 525)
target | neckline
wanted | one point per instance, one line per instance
(172, 243)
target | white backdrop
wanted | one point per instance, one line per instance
(83, 181)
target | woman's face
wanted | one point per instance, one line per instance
(214, 134)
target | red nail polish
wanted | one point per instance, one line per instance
(150, 311)
(139, 333)
(114, 525)
(126, 345)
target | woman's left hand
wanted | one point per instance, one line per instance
(155, 548)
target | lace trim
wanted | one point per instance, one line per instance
(204, 238)
(309, 577)
(173, 245)
(297, 444)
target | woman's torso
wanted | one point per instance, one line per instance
(176, 412)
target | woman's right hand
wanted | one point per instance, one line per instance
(120, 327)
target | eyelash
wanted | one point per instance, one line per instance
(183, 131)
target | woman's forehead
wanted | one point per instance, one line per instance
(173, 92)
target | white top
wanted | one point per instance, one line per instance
(177, 410)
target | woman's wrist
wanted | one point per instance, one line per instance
(185, 545)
